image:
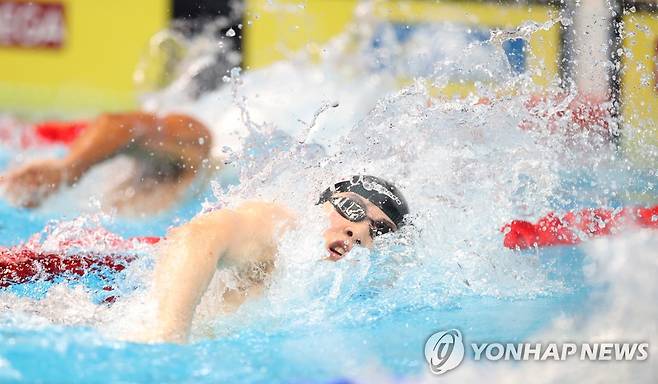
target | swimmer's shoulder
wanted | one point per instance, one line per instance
(255, 230)
(262, 210)
(252, 221)
(250, 209)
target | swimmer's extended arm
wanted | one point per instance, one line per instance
(178, 138)
(173, 138)
(192, 252)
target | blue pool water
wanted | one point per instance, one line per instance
(466, 169)
(318, 354)
(388, 343)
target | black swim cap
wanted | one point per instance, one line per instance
(381, 193)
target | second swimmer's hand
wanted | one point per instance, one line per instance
(31, 184)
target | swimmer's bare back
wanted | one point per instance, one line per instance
(170, 152)
(172, 147)
(143, 195)
(193, 252)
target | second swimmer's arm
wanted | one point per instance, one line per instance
(178, 137)
(174, 138)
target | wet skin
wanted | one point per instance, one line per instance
(243, 237)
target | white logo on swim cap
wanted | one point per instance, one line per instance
(372, 185)
(444, 351)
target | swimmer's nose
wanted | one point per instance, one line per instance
(351, 239)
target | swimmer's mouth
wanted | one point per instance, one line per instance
(336, 252)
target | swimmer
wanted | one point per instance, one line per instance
(245, 238)
(168, 154)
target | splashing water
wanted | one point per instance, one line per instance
(465, 167)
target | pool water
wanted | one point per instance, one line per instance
(466, 168)
(392, 346)
(356, 338)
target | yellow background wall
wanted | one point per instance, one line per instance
(639, 91)
(93, 70)
(291, 25)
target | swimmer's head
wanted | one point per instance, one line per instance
(361, 209)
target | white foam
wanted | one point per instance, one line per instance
(624, 311)
(465, 169)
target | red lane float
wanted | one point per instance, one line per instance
(568, 115)
(46, 133)
(22, 264)
(28, 262)
(63, 132)
(585, 111)
(574, 227)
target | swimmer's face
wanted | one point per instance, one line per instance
(342, 234)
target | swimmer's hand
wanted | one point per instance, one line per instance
(28, 186)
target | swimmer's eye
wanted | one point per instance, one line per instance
(357, 242)
(378, 228)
